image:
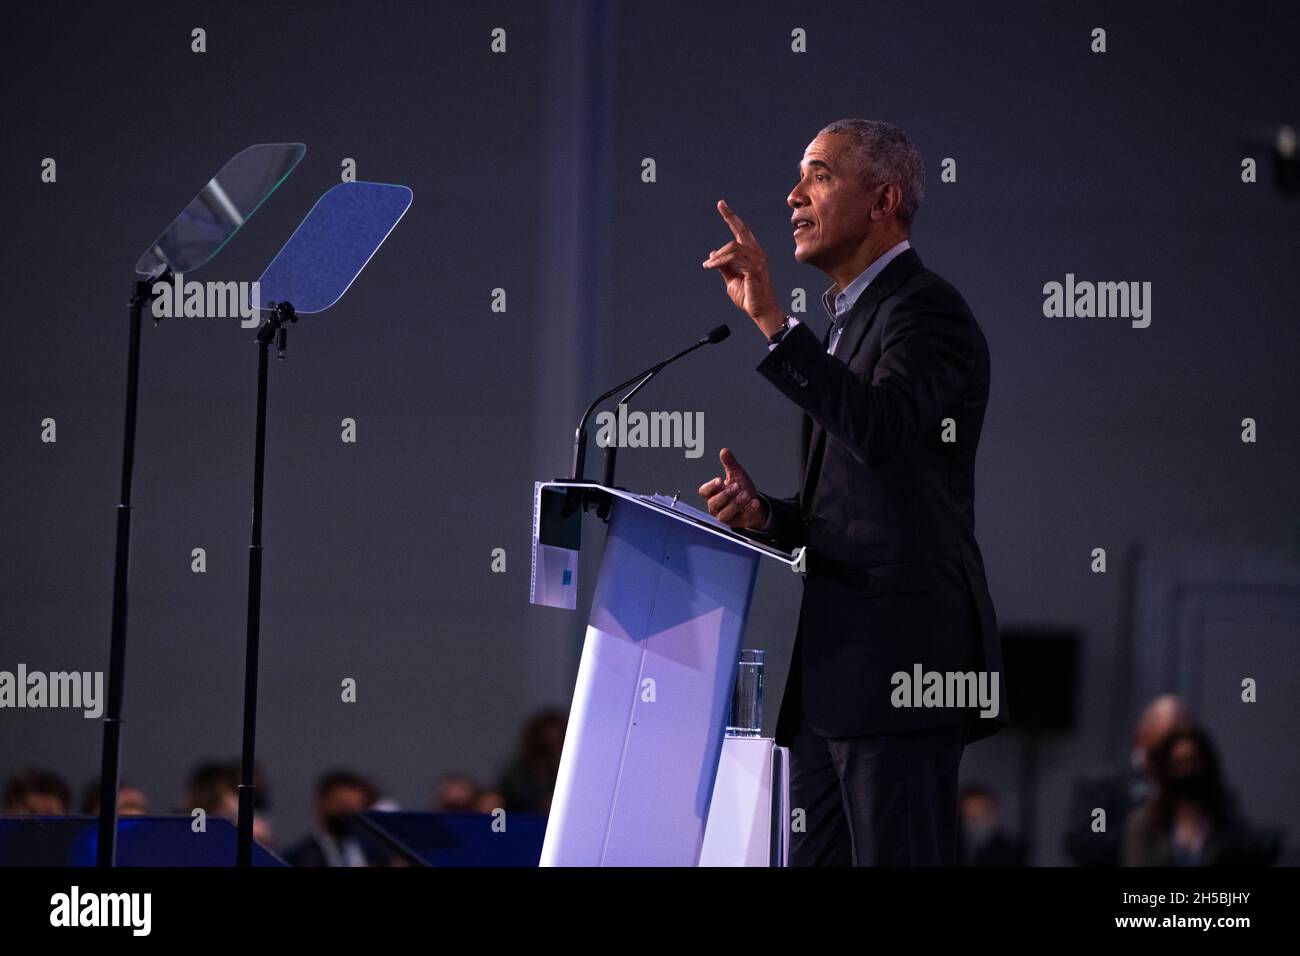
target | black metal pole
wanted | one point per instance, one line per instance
(274, 327)
(611, 455)
(611, 450)
(245, 850)
(110, 764)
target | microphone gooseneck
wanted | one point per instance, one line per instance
(714, 335)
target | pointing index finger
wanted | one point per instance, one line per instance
(738, 227)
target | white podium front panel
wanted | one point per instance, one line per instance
(653, 693)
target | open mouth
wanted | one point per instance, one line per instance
(802, 226)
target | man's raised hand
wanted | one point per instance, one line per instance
(743, 266)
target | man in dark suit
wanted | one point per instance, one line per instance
(339, 840)
(894, 591)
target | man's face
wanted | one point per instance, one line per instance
(832, 206)
(1163, 717)
(343, 800)
(456, 793)
(979, 810)
(132, 802)
(40, 805)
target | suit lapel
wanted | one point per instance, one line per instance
(861, 317)
(863, 314)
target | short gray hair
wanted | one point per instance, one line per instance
(885, 154)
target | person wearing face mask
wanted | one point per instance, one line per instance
(1118, 794)
(1191, 819)
(984, 839)
(338, 840)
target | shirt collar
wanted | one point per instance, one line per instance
(839, 303)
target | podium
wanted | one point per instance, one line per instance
(656, 676)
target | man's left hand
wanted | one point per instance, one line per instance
(743, 266)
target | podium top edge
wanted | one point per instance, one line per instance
(725, 534)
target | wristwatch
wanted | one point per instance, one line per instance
(776, 337)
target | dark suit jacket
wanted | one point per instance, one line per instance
(886, 510)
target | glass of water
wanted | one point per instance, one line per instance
(747, 699)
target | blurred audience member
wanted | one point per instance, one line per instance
(456, 793)
(338, 840)
(131, 801)
(213, 787)
(1119, 793)
(529, 780)
(982, 840)
(1190, 819)
(489, 801)
(38, 793)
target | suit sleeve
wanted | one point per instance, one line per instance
(784, 525)
(927, 353)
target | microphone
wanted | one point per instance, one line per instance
(714, 336)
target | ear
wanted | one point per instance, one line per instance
(887, 202)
